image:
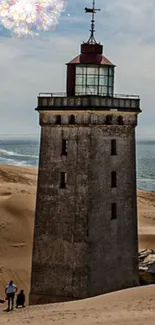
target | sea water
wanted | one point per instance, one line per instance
(146, 165)
(26, 153)
(19, 152)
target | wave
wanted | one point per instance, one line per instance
(147, 184)
(141, 179)
(10, 161)
(13, 153)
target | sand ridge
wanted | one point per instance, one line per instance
(132, 306)
(146, 219)
(17, 206)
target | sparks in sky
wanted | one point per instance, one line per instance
(29, 17)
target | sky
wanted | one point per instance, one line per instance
(37, 64)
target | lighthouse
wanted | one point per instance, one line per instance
(85, 234)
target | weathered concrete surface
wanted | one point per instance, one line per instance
(78, 250)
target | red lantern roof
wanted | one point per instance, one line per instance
(91, 54)
(91, 59)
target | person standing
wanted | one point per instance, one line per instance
(10, 291)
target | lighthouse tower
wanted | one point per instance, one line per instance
(85, 234)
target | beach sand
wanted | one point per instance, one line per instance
(17, 205)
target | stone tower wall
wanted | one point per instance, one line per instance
(78, 250)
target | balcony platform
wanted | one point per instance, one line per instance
(59, 101)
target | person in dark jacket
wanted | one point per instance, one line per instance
(20, 301)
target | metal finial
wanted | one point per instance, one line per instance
(93, 11)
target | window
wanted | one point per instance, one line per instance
(58, 119)
(64, 147)
(63, 180)
(113, 180)
(113, 211)
(72, 119)
(120, 120)
(103, 81)
(109, 119)
(92, 70)
(113, 147)
(94, 80)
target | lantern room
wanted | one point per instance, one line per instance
(90, 73)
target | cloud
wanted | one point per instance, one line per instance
(38, 65)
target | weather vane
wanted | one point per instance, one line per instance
(92, 11)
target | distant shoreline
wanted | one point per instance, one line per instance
(36, 167)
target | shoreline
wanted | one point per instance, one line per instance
(36, 167)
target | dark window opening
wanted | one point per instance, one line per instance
(72, 119)
(58, 119)
(63, 180)
(113, 180)
(120, 120)
(113, 211)
(113, 147)
(64, 147)
(109, 119)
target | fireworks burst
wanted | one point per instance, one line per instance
(29, 17)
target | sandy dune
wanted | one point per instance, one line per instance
(132, 306)
(17, 205)
(146, 219)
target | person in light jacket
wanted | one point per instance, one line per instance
(10, 291)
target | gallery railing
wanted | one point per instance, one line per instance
(59, 101)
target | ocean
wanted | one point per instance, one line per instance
(26, 153)
(19, 152)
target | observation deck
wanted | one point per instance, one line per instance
(60, 101)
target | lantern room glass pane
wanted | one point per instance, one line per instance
(95, 80)
(103, 81)
(91, 90)
(79, 70)
(80, 90)
(92, 80)
(93, 70)
(103, 90)
(79, 80)
(111, 80)
(103, 71)
(111, 71)
(110, 91)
